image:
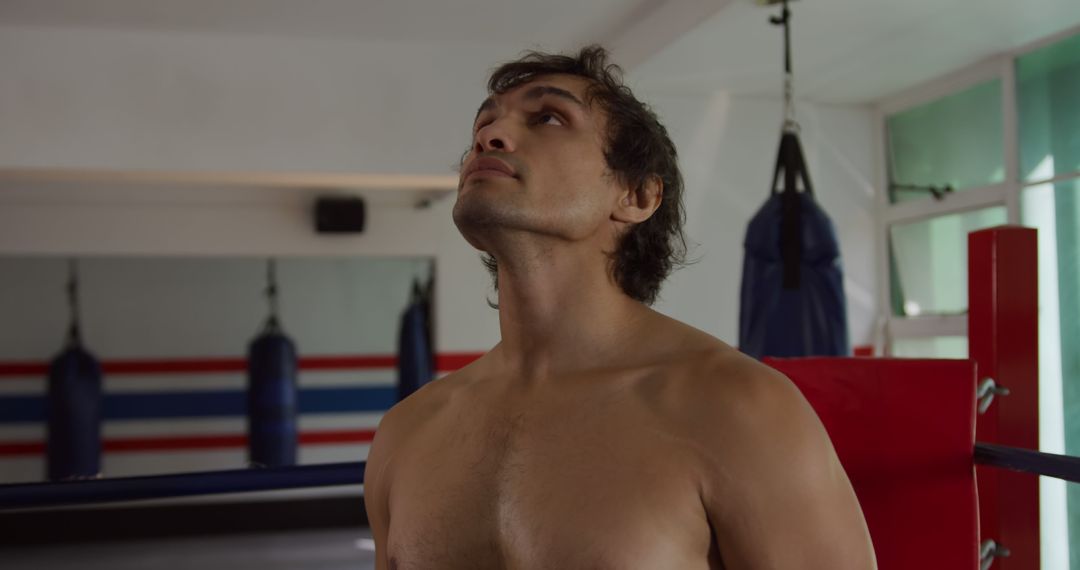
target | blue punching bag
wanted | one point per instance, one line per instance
(74, 406)
(415, 359)
(271, 393)
(74, 440)
(792, 301)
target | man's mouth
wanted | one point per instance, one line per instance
(489, 166)
(488, 172)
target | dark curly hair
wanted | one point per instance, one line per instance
(637, 148)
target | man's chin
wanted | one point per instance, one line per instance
(475, 209)
(483, 222)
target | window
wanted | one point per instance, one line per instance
(1048, 105)
(931, 347)
(930, 261)
(1030, 174)
(1048, 116)
(955, 141)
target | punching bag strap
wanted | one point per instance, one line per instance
(417, 294)
(789, 159)
(272, 325)
(74, 336)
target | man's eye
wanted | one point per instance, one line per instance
(545, 118)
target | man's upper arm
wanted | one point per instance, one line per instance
(377, 483)
(776, 493)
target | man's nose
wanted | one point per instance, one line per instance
(494, 136)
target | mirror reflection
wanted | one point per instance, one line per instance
(134, 366)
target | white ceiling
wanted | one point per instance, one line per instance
(850, 51)
(550, 22)
(846, 51)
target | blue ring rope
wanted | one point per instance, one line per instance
(1053, 465)
(27, 495)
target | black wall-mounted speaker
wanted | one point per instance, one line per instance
(339, 215)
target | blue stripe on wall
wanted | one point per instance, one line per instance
(16, 409)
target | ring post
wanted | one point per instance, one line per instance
(1003, 339)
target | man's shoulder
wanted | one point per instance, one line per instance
(746, 418)
(427, 404)
(706, 370)
(722, 379)
(420, 406)
(715, 392)
(403, 422)
(739, 378)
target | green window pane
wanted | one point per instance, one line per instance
(1048, 100)
(932, 347)
(929, 265)
(954, 141)
(1054, 210)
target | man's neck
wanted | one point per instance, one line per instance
(560, 313)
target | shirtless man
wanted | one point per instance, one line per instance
(598, 433)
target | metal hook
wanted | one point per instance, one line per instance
(986, 392)
(938, 192)
(988, 551)
(784, 19)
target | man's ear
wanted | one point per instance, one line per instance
(637, 205)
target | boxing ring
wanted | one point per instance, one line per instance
(905, 431)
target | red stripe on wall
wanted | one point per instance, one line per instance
(180, 443)
(8, 369)
(332, 437)
(22, 448)
(447, 362)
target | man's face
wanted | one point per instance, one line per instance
(537, 165)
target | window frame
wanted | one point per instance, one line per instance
(1000, 67)
(1004, 193)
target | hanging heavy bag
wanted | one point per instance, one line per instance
(73, 449)
(272, 429)
(272, 393)
(415, 359)
(792, 301)
(74, 416)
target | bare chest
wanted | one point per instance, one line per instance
(589, 487)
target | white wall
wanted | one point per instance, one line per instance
(102, 99)
(127, 99)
